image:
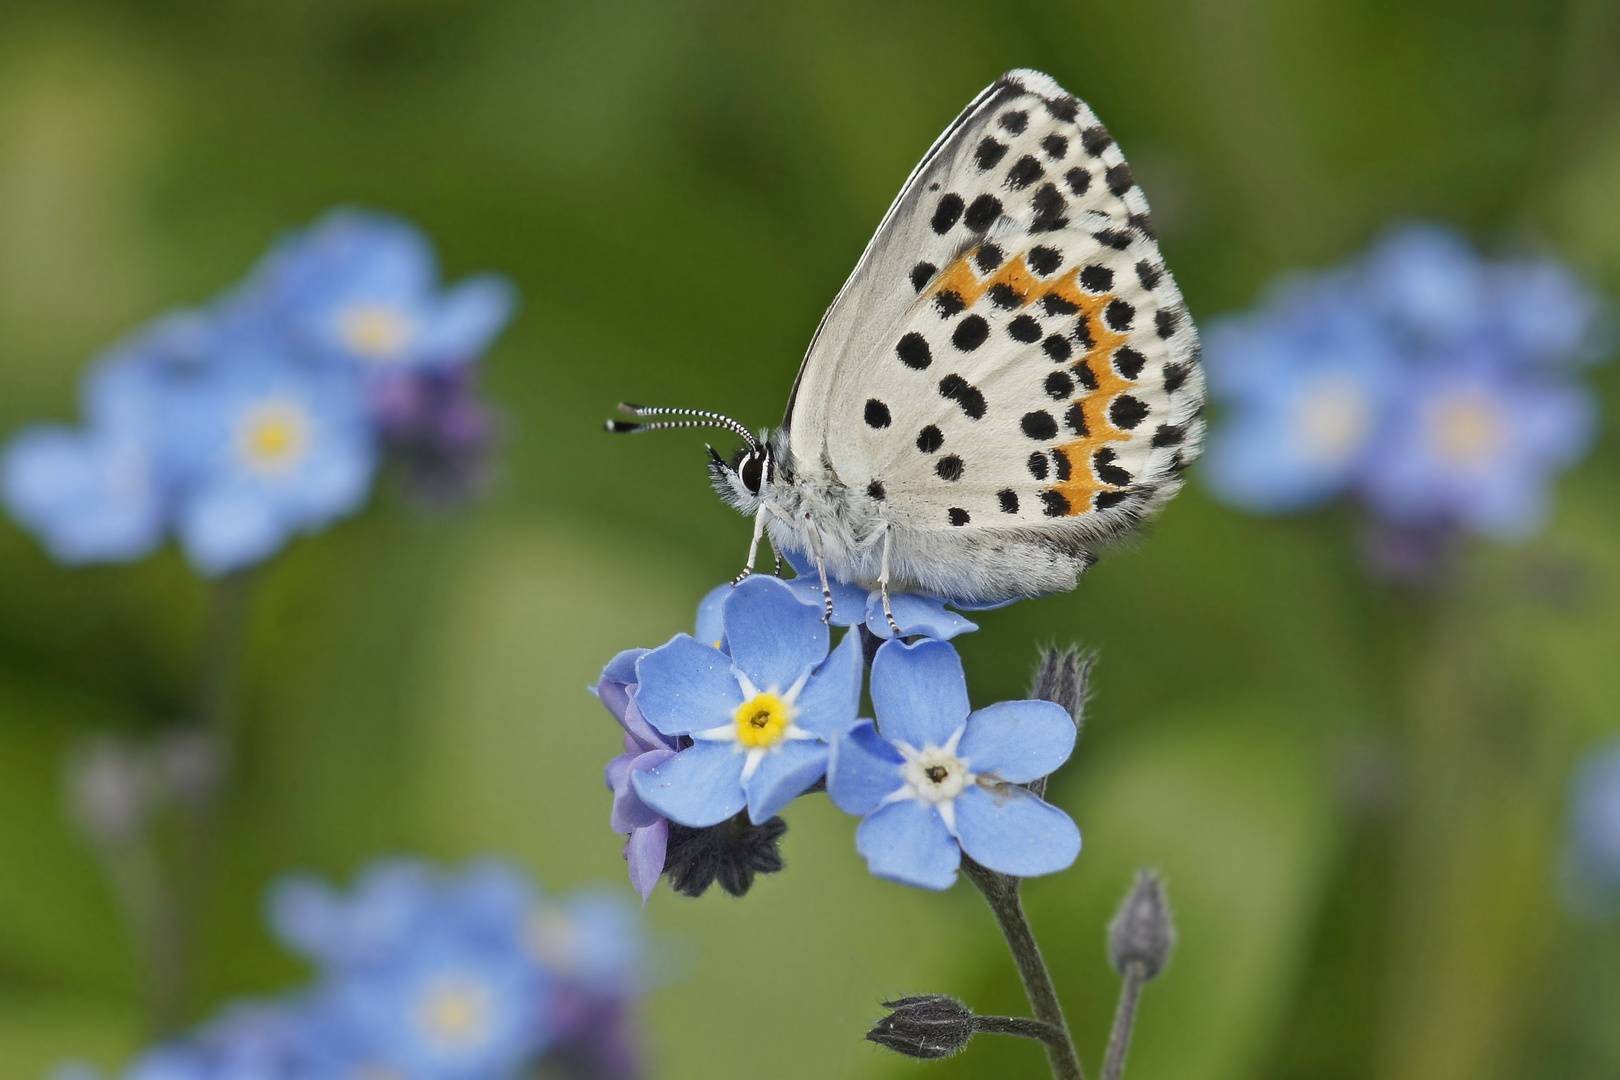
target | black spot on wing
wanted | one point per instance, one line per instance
(1059, 385)
(1145, 224)
(1174, 376)
(913, 351)
(988, 257)
(1169, 435)
(1096, 139)
(1082, 333)
(874, 490)
(1078, 180)
(1057, 347)
(1008, 498)
(1005, 296)
(949, 467)
(1065, 108)
(949, 303)
(1054, 504)
(1102, 463)
(1050, 207)
(1118, 239)
(955, 388)
(947, 212)
(989, 153)
(1166, 321)
(1119, 179)
(1128, 362)
(1044, 260)
(1060, 462)
(1126, 412)
(1083, 373)
(1056, 146)
(982, 213)
(1075, 420)
(1025, 172)
(970, 333)
(1039, 425)
(877, 413)
(1039, 468)
(1106, 499)
(1149, 275)
(1015, 121)
(1119, 315)
(1058, 305)
(1025, 329)
(922, 274)
(958, 516)
(930, 439)
(1097, 279)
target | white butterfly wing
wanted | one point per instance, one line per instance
(1010, 352)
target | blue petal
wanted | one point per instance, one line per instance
(622, 668)
(1011, 830)
(701, 785)
(908, 842)
(919, 692)
(782, 777)
(711, 626)
(686, 686)
(831, 699)
(863, 771)
(849, 601)
(1018, 741)
(915, 614)
(773, 636)
(229, 527)
(468, 317)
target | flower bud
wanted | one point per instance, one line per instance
(925, 1027)
(1062, 677)
(1142, 933)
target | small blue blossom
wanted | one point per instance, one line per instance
(933, 780)
(760, 711)
(429, 975)
(1432, 384)
(363, 287)
(853, 605)
(1595, 830)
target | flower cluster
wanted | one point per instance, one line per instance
(724, 729)
(428, 975)
(265, 414)
(1436, 386)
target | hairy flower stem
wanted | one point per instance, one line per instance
(1119, 1040)
(1001, 893)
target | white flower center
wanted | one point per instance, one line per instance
(936, 775)
(376, 331)
(1334, 418)
(455, 1012)
(273, 436)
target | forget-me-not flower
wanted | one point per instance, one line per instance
(760, 710)
(363, 287)
(934, 781)
(1436, 386)
(854, 605)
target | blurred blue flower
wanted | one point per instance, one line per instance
(430, 975)
(247, 1041)
(1595, 829)
(854, 605)
(1435, 385)
(364, 287)
(933, 780)
(761, 711)
(265, 446)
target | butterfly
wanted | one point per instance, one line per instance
(1008, 381)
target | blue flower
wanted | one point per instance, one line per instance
(363, 287)
(854, 605)
(264, 446)
(760, 711)
(428, 975)
(1595, 829)
(933, 780)
(1434, 385)
(251, 1040)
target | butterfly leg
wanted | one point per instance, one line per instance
(821, 567)
(883, 583)
(753, 548)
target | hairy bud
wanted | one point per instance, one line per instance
(1062, 677)
(1142, 933)
(926, 1027)
(731, 853)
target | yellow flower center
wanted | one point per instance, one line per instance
(375, 331)
(273, 436)
(1333, 419)
(762, 721)
(455, 1012)
(1466, 429)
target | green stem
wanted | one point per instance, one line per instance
(1119, 1040)
(1001, 893)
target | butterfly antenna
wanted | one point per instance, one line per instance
(701, 418)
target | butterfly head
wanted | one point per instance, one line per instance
(743, 480)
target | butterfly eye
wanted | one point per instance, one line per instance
(752, 472)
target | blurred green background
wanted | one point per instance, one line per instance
(1356, 795)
